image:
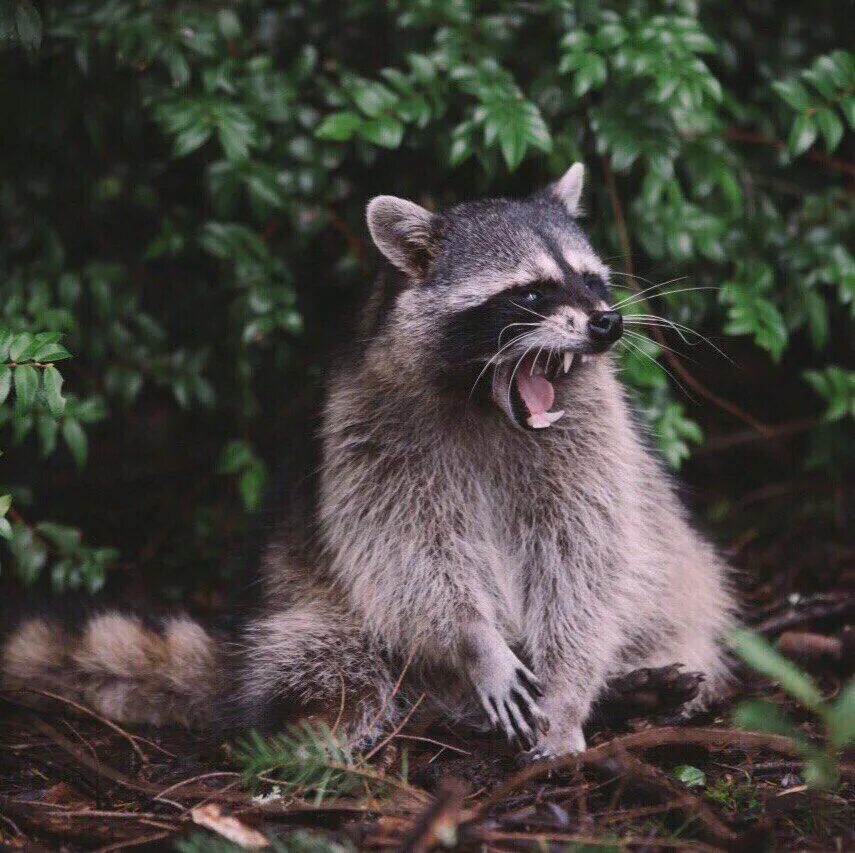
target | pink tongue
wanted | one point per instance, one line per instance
(535, 389)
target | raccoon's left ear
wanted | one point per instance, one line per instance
(568, 189)
(405, 233)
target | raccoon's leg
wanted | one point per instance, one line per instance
(574, 631)
(690, 626)
(508, 691)
(159, 672)
(311, 660)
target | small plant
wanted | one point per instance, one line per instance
(691, 777)
(313, 758)
(837, 718)
(737, 797)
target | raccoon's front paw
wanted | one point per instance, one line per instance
(508, 692)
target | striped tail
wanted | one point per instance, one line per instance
(124, 668)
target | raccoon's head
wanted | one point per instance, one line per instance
(501, 294)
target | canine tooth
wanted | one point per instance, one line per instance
(568, 361)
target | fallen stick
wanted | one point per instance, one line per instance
(720, 739)
(438, 823)
(795, 616)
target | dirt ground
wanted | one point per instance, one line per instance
(72, 781)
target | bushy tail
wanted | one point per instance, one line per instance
(130, 670)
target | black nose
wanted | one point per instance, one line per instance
(605, 326)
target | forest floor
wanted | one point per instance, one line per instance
(77, 782)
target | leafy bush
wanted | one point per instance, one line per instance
(185, 185)
(836, 718)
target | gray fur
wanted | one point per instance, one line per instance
(501, 574)
(444, 529)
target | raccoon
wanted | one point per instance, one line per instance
(490, 537)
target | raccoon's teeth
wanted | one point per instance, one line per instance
(541, 420)
(568, 361)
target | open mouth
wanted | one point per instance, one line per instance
(525, 390)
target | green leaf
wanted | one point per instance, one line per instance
(793, 93)
(5, 503)
(837, 386)
(373, 98)
(847, 107)
(462, 143)
(40, 343)
(821, 771)
(190, 139)
(19, 345)
(590, 74)
(52, 384)
(251, 485)
(841, 718)
(802, 135)
(229, 23)
(674, 431)
(691, 777)
(61, 536)
(5, 382)
(29, 25)
(830, 126)
(236, 456)
(385, 131)
(75, 440)
(760, 716)
(6, 340)
(516, 124)
(339, 127)
(28, 553)
(6, 529)
(768, 661)
(51, 352)
(817, 317)
(26, 387)
(752, 314)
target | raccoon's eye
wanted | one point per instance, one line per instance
(529, 296)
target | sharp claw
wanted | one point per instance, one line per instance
(525, 709)
(530, 682)
(504, 722)
(523, 734)
(488, 708)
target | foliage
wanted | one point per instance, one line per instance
(837, 718)
(690, 776)
(31, 400)
(312, 758)
(187, 182)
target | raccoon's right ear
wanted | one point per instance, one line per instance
(406, 234)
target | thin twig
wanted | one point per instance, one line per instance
(184, 782)
(435, 742)
(85, 710)
(397, 729)
(395, 689)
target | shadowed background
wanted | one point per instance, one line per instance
(182, 196)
